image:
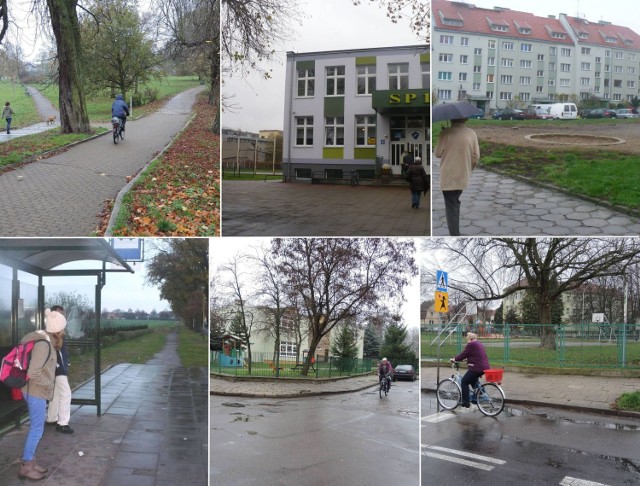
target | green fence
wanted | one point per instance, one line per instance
(265, 365)
(566, 346)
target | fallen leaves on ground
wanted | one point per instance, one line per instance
(180, 194)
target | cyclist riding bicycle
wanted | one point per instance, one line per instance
(477, 362)
(385, 370)
(120, 110)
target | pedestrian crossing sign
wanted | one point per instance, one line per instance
(442, 302)
(442, 281)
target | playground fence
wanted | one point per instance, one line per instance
(237, 363)
(593, 345)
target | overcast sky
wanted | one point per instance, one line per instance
(328, 25)
(221, 250)
(122, 290)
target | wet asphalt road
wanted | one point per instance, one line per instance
(527, 446)
(354, 438)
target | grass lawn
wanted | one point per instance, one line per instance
(22, 104)
(228, 176)
(526, 352)
(19, 149)
(99, 106)
(191, 349)
(609, 176)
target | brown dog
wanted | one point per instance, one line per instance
(51, 120)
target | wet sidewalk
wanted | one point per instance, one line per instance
(64, 195)
(257, 208)
(283, 388)
(153, 431)
(577, 392)
(498, 205)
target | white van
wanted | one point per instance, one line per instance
(565, 111)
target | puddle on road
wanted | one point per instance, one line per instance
(603, 423)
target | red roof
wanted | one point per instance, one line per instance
(604, 34)
(520, 25)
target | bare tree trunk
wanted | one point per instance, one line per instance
(64, 22)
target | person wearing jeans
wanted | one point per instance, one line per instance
(459, 152)
(7, 114)
(39, 388)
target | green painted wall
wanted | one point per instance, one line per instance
(364, 153)
(333, 153)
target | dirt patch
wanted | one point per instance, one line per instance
(573, 139)
(516, 132)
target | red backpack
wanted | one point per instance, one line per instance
(14, 366)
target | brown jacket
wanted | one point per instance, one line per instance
(42, 370)
(459, 152)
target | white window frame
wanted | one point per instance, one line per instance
(333, 131)
(335, 74)
(367, 125)
(308, 83)
(304, 123)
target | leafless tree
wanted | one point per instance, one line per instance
(417, 12)
(492, 269)
(343, 280)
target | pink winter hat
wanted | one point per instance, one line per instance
(54, 321)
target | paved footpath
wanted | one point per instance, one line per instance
(498, 205)
(586, 393)
(289, 388)
(152, 431)
(274, 208)
(65, 194)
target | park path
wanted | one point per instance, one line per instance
(45, 110)
(65, 194)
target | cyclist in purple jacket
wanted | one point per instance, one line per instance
(477, 362)
(385, 369)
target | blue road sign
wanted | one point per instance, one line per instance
(442, 281)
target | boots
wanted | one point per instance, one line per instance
(39, 468)
(28, 471)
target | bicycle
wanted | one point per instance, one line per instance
(118, 132)
(384, 385)
(489, 396)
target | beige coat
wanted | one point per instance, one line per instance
(42, 371)
(459, 152)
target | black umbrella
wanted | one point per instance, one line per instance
(453, 111)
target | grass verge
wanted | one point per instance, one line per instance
(179, 194)
(192, 348)
(25, 148)
(629, 401)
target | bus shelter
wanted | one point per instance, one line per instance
(25, 265)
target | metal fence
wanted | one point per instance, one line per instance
(265, 365)
(610, 346)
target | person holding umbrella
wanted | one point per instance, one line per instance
(459, 153)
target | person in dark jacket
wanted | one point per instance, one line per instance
(418, 181)
(477, 362)
(120, 109)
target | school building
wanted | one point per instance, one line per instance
(353, 111)
(498, 57)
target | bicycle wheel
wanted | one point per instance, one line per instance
(386, 387)
(122, 133)
(490, 399)
(381, 388)
(448, 394)
(115, 136)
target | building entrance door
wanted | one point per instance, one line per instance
(397, 150)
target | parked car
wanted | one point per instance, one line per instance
(536, 114)
(564, 111)
(479, 116)
(404, 372)
(600, 113)
(511, 114)
(626, 113)
(496, 114)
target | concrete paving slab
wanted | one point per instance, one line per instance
(142, 446)
(488, 205)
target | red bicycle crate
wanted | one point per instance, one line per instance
(494, 376)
